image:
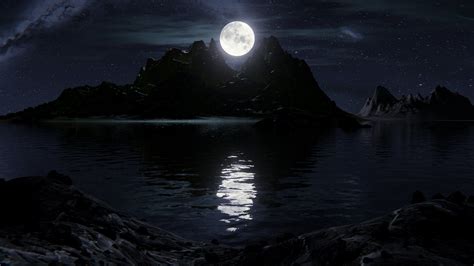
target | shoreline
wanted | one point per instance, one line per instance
(51, 221)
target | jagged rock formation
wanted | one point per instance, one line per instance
(437, 232)
(380, 103)
(198, 82)
(201, 65)
(46, 220)
(285, 81)
(441, 104)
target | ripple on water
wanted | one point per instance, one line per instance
(237, 191)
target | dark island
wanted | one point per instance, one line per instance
(271, 84)
(441, 104)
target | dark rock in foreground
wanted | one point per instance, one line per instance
(45, 220)
(437, 232)
(441, 104)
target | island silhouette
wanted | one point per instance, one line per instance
(271, 84)
(198, 82)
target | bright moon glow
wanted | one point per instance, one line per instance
(237, 38)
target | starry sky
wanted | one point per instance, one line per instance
(352, 46)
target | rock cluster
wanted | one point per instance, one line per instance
(436, 232)
(46, 220)
(440, 104)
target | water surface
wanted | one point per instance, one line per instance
(221, 179)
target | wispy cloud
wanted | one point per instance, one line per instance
(44, 15)
(154, 30)
(351, 33)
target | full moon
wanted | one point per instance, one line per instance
(237, 38)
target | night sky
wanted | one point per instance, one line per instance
(351, 45)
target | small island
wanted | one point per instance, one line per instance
(197, 82)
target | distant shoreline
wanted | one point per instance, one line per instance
(197, 120)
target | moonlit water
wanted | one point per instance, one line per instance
(237, 190)
(222, 179)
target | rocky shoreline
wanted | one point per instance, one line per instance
(46, 220)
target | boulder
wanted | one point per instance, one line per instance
(46, 220)
(436, 232)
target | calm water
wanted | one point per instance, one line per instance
(206, 179)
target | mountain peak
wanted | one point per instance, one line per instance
(383, 95)
(381, 100)
(271, 45)
(440, 90)
(214, 49)
(198, 46)
(197, 81)
(213, 44)
(200, 64)
(441, 104)
(441, 96)
(287, 81)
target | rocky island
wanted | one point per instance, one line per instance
(52, 222)
(440, 104)
(198, 82)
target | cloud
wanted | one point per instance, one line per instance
(154, 30)
(42, 16)
(351, 33)
(11, 53)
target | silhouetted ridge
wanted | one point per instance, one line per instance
(380, 101)
(198, 82)
(270, 46)
(382, 95)
(202, 65)
(286, 81)
(441, 104)
(214, 49)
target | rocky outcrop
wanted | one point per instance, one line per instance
(437, 232)
(200, 65)
(286, 82)
(445, 103)
(441, 104)
(380, 103)
(45, 220)
(198, 82)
